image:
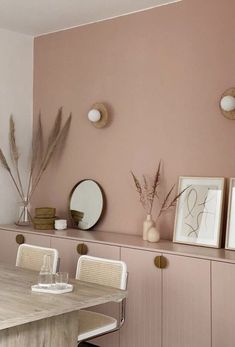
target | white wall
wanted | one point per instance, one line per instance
(16, 97)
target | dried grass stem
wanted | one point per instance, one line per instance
(148, 192)
(39, 159)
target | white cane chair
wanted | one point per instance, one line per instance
(31, 257)
(106, 272)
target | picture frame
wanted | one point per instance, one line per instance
(198, 217)
(230, 225)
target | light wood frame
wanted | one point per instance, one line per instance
(230, 217)
(199, 227)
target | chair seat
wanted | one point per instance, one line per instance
(92, 323)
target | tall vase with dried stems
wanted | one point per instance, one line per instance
(148, 191)
(40, 160)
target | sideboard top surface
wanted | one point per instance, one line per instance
(130, 241)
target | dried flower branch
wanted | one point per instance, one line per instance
(14, 152)
(39, 159)
(37, 145)
(37, 152)
(55, 130)
(4, 163)
(165, 201)
(173, 203)
(154, 187)
(165, 205)
(137, 183)
(54, 141)
(147, 192)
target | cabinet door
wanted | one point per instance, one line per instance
(186, 302)
(68, 262)
(143, 311)
(223, 304)
(9, 246)
(37, 240)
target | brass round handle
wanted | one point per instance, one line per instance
(82, 249)
(160, 262)
(20, 239)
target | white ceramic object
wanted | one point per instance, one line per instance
(53, 289)
(148, 223)
(153, 234)
(60, 224)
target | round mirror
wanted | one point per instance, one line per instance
(86, 204)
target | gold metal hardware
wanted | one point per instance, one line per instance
(20, 239)
(160, 262)
(82, 249)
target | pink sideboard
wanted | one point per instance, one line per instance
(187, 302)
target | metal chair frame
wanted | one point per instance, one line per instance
(123, 285)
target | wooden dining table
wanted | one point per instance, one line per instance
(30, 319)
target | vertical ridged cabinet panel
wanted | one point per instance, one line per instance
(186, 302)
(223, 304)
(8, 247)
(68, 260)
(143, 317)
(37, 240)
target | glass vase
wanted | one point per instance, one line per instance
(25, 218)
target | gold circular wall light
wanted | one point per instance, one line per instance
(227, 103)
(98, 115)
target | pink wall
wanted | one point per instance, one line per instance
(161, 72)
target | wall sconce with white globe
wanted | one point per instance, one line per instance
(98, 115)
(227, 103)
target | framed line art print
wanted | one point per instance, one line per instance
(230, 229)
(199, 211)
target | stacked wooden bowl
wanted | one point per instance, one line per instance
(44, 218)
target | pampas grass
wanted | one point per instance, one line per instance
(40, 159)
(37, 151)
(56, 137)
(5, 165)
(14, 152)
(148, 192)
(167, 202)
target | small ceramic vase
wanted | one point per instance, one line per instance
(148, 223)
(153, 234)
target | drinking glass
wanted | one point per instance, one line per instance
(61, 279)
